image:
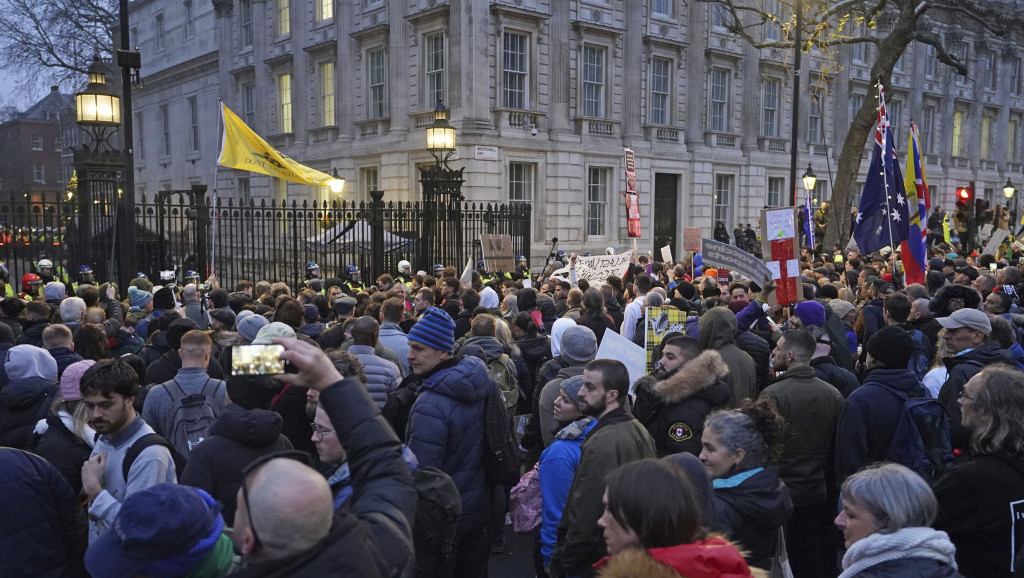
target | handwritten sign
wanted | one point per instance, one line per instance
(735, 259)
(497, 250)
(597, 269)
(691, 238)
(666, 254)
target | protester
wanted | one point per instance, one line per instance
(64, 437)
(717, 331)
(27, 396)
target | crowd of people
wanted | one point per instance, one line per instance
(870, 429)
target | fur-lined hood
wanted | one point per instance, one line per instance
(721, 561)
(695, 375)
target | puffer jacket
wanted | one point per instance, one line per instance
(673, 410)
(753, 509)
(23, 402)
(446, 432)
(238, 437)
(63, 448)
(382, 376)
(716, 329)
(961, 369)
(64, 357)
(557, 469)
(49, 537)
(710, 558)
(869, 418)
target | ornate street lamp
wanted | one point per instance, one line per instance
(810, 179)
(97, 109)
(441, 241)
(441, 136)
(337, 184)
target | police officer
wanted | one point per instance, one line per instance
(404, 273)
(48, 273)
(438, 270)
(522, 268)
(353, 280)
(192, 276)
(30, 284)
(312, 270)
(85, 277)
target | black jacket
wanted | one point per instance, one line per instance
(961, 369)
(165, 368)
(753, 511)
(44, 532)
(535, 352)
(616, 311)
(157, 346)
(14, 324)
(462, 323)
(23, 402)
(33, 332)
(64, 357)
(65, 450)
(238, 437)
(673, 410)
(758, 350)
(372, 533)
(290, 404)
(843, 379)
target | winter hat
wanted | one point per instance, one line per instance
(54, 291)
(163, 299)
(243, 314)
(892, 346)
(810, 312)
(69, 380)
(840, 307)
(310, 313)
(579, 344)
(238, 300)
(686, 290)
(250, 325)
(488, 298)
(275, 329)
(935, 264)
(434, 329)
(252, 391)
(163, 531)
(139, 297)
(571, 386)
(25, 361)
(6, 335)
(177, 329)
(224, 315)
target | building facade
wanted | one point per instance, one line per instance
(545, 95)
(35, 161)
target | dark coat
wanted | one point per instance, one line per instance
(65, 450)
(843, 379)
(371, 535)
(14, 324)
(961, 369)
(462, 323)
(291, 406)
(23, 402)
(446, 432)
(238, 437)
(673, 410)
(157, 346)
(753, 511)
(758, 350)
(44, 533)
(599, 324)
(33, 332)
(165, 368)
(535, 352)
(910, 568)
(64, 357)
(869, 419)
(976, 508)
(616, 312)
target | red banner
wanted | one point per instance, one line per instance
(633, 215)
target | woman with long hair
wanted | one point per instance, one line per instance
(980, 499)
(751, 501)
(91, 342)
(64, 436)
(594, 315)
(657, 532)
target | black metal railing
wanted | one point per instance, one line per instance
(254, 240)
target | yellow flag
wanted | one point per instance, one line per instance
(243, 149)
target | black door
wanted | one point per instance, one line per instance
(666, 201)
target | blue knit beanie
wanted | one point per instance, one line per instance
(434, 329)
(138, 297)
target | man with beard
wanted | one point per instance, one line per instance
(108, 390)
(615, 440)
(686, 386)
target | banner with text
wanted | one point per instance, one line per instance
(597, 268)
(733, 258)
(779, 245)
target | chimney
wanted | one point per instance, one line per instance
(53, 88)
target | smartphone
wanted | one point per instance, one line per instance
(992, 266)
(257, 360)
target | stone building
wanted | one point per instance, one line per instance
(545, 95)
(35, 161)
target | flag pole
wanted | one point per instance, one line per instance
(885, 178)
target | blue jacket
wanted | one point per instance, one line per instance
(445, 430)
(557, 468)
(64, 357)
(869, 418)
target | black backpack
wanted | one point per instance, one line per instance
(920, 362)
(152, 439)
(921, 439)
(192, 415)
(436, 526)
(501, 450)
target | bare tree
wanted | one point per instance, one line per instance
(53, 41)
(830, 25)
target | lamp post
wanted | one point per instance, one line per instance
(97, 165)
(1009, 192)
(441, 241)
(810, 179)
(337, 184)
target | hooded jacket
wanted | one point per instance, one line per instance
(753, 510)
(33, 332)
(673, 410)
(556, 471)
(711, 558)
(27, 397)
(64, 357)
(961, 369)
(535, 352)
(446, 431)
(63, 448)
(758, 349)
(238, 437)
(826, 369)
(717, 330)
(382, 376)
(869, 418)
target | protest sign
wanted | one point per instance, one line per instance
(666, 254)
(779, 245)
(617, 347)
(598, 268)
(498, 255)
(691, 238)
(659, 322)
(735, 259)
(997, 239)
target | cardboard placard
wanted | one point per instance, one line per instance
(997, 239)
(598, 268)
(666, 254)
(498, 253)
(733, 258)
(691, 238)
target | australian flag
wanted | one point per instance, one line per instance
(883, 218)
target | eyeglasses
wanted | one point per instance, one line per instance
(963, 395)
(301, 457)
(319, 430)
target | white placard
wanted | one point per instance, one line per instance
(776, 271)
(597, 269)
(780, 224)
(634, 357)
(792, 268)
(666, 254)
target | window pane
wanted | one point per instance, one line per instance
(193, 112)
(660, 82)
(520, 183)
(925, 129)
(772, 29)
(723, 197)
(325, 10)
(770, 109)
(249, 104)
(958, 123)
(434, 66)
(597, 200)
(245, 19)
(593, 81)
(663, 7)
(719, 100)
(284, 96)
(515, 68)
(814, 132)
(896, 121)
(284, 17)
(775, 187)
(377, 83)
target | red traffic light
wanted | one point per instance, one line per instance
(964, 194)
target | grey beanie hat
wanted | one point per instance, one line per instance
(579, 344)
(571, 386)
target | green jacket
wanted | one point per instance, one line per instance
(811, 409)
(615, 440)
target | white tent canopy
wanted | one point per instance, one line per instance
(354, 237)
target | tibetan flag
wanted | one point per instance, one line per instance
(243, 149)
(915, 249)
(883, 217)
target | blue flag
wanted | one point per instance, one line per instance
(883, 217)
(809, 222)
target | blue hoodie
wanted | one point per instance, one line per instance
(557, 469)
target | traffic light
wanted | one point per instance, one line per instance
(965, 195)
